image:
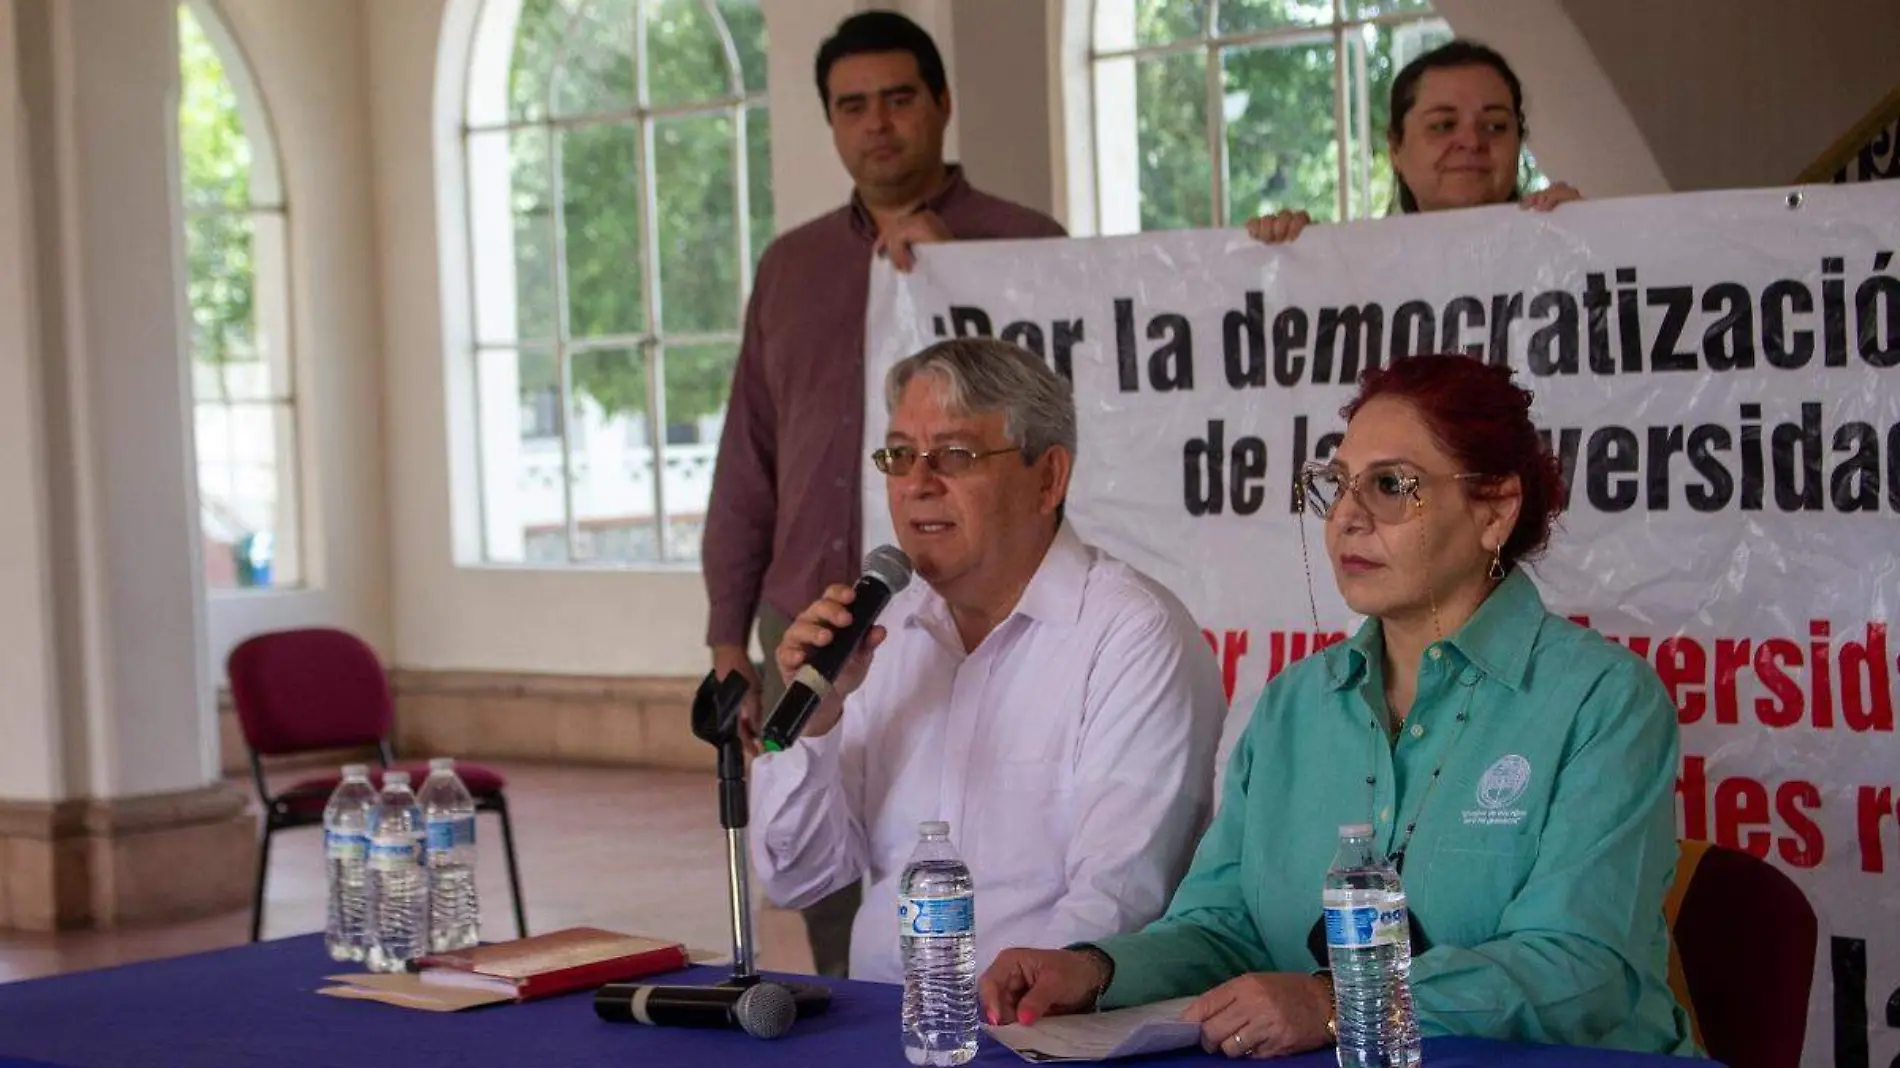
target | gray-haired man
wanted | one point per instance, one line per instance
(1058, 708)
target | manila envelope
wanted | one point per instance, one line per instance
(407, 990)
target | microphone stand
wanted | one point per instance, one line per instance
(716, 722)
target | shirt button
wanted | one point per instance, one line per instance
(1436, 652)
(1418, 730)
(843, 482)
(837, 546)
(1385, 815)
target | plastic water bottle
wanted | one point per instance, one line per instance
(346, 856)
(399, 884)
(937, 927)
(448, 816)
(1369, 941)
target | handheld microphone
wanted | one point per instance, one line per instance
(886, 572)
(762, 1010)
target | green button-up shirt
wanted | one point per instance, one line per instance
(1538, 767)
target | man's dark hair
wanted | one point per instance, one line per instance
(881, 31)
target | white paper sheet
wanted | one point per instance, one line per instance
(1101, 1036)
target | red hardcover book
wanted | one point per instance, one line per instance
(560, 962)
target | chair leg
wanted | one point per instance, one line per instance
(514, 869)
(263, 869)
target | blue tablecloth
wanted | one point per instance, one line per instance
(256, 1005)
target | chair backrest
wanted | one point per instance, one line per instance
(308, 689)
(1742, 952)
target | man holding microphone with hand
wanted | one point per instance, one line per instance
(782, 521)
(1057, 707)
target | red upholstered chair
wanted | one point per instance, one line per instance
(300, 691)
(1741, 957)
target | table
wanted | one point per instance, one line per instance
(256, 1005)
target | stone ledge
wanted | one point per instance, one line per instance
(409, 681)
(634, 721)
(114, 862)
(614, 720)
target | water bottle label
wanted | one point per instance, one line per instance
(342, 846)
(1366, 926)
(447, 833)
(392, 854)
(936, 917)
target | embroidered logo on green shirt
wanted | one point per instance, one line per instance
(1503, 783)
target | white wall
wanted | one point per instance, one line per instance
(1000, 78)
(309, 61)
(31, 765)
(449, 616)
(1743, 92)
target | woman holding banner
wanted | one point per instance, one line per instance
(1456, 132)
(1517, 768)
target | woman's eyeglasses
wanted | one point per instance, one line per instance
(1388, 492)
(949, 461)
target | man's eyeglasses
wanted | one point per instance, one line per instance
(949, 461)
(1388, 492)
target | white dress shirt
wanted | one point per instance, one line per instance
(1071, 752)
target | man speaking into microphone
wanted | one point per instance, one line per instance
(1059, 708)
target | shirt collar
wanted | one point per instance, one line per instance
(1054, 593)
(1497, 639)
(1346, 661)
(953, 189)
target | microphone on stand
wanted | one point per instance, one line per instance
(745, 1001)
(886, 572)
(762, 1010)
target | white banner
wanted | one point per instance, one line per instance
(1720, 376)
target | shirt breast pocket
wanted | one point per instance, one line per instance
(1023, 819)
(1467, 884)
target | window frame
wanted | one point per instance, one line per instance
(650, 345)
(1352, 104)
(267, 200)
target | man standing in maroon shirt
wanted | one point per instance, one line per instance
(783, 521)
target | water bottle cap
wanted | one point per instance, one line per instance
(442, 764)
(356, 771)
(395, 778)
(1355, 830)
(934, 828)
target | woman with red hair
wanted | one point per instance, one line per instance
(1518, 769)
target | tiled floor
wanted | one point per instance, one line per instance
(626, 849)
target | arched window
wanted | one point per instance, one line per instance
(1209, 112)
(618, 185)
(244, 381)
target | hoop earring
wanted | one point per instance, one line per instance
(1496, 574)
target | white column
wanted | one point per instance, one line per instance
(30, 762)
(807, 179)
(1116, 149)
(109, 263)
(1001, 86)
